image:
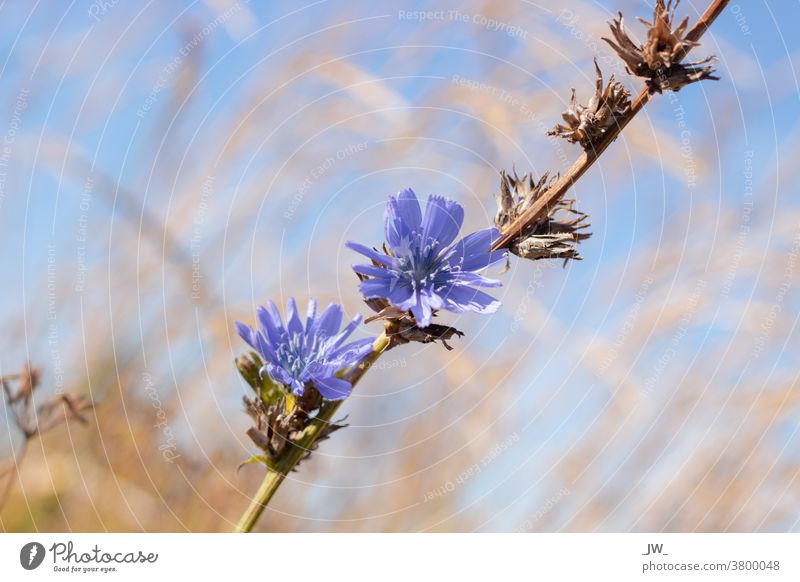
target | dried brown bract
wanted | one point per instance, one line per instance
(279, 419)
(32, 418)
(658, 60)
(555, 235)
(401, 327)
(588, 124)
(405, 330)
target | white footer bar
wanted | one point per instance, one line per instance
(377, 557)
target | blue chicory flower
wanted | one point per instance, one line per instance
(296, 355)
(423, 271)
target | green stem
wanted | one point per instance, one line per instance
(276, 474)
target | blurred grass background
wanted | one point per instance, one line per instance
(165, 167)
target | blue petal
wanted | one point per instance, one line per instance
(297, 388)
(265, 348)
(375, 287)
(459, 298)
(402, 217)
(328, 324)
(385, 284)
(320, 368)
(345, 333)
(421, 310)
(471, 253)
(256, 340)
(278, 374)
(267, 321)
(433, 299)
(333, 388)
(352, 353)
(373, 255)
(470, 278)
(275, 315)
(247, 333)
(372, 271)
(442, 221)
(400, 293)
(310, 314)
(293, 324)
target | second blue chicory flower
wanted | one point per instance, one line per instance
(297, 354)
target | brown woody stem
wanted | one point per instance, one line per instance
(587, 158)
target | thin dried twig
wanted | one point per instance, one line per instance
(588, 157)
(33, 420)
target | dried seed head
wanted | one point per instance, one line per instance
(274, 427)
(280, 423)
(401, 327)
(518, 194)
(279, 416)
(658, 59)
(586, 125)
(554, 235)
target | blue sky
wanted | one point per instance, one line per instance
(81, 86)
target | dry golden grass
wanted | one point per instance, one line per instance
(603, 436)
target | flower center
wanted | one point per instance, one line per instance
(419, 261)
(296, 352)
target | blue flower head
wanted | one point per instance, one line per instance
(296, 355)
(422, 270)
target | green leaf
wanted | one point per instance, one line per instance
(269, 391)
(249, 367)
(254, 459)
